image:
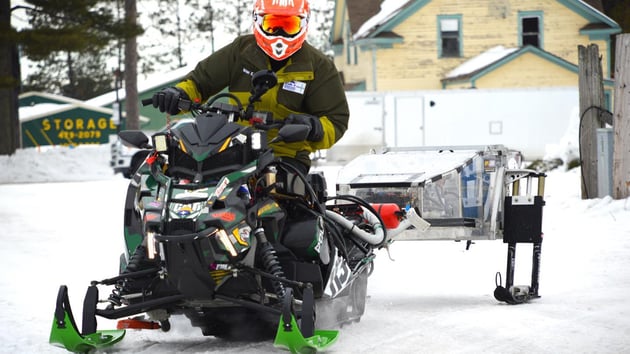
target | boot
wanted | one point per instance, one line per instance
(133, 285)
(138, 261)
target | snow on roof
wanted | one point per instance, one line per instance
(480, 61)
(49, 96)
(43, 109)
(152, 81)
(28, 112)
(389, 8)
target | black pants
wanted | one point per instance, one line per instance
(297, 164)
(292, 182)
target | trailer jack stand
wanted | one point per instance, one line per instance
(522, 224)
(518, 294)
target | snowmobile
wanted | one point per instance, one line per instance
(241, 243)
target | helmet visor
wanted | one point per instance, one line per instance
(275, 24)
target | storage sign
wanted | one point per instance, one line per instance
(68, 127)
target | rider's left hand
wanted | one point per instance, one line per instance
(317, 131)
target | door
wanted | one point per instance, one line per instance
(408, 121)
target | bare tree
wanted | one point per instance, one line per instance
(131, 70)
(237, 16)
(320, 25)
(206, 22)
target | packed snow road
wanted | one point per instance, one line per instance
(434, 297)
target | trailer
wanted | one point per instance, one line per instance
(461, 193)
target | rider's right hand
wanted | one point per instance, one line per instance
(316, 132)
(167, 99)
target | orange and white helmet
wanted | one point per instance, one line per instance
(280, 26)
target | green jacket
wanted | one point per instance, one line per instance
(308, 83)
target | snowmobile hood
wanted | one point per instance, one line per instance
(206, 135)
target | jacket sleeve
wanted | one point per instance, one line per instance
(327, 100)
(210, 76)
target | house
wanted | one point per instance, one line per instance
(444, 44)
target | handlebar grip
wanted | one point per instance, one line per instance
(147, 101)
(184, 105)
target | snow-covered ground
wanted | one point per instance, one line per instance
(61, 222)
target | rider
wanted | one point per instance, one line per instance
(309, 89)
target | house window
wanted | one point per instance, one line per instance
(531, 31)
(530, 28)
(449, 29)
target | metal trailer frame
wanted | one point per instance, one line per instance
(464, 193)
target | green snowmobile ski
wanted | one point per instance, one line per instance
(64, 332)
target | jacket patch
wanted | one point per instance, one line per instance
(295, 86)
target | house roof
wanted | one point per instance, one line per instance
(49, 109)
(380, 15)
(596, 4)
(32, 98)
(479, 62)
(359, 11)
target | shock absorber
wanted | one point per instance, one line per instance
(270, 261)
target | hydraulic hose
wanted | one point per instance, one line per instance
(375, 238)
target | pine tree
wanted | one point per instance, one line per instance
(57, 27)
(77, 75)
(9, 82)
(68, 41)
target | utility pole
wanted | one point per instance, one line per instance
(621, 119)
(591, 95)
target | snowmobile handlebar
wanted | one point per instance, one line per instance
(196, 108)
(262, 81)
(259, 119)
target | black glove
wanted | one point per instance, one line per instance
(317, 131)
(167, 99)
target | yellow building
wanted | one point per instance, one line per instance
(394, 45)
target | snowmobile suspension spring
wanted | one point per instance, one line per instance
(270, 262)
